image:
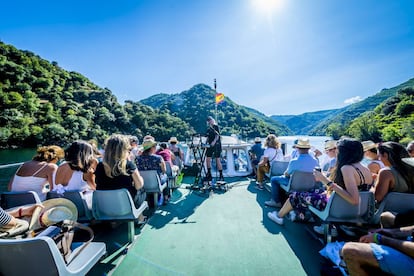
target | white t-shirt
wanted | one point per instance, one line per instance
(273, 154)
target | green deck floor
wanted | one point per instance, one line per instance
(223, 234)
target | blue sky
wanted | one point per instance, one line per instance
(277, 56)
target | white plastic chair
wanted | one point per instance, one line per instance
(394, 202)
(152, 184)
(172, 176)
(340, 210)
(84, 213)
(277, 168)
(40, 256)
(117, 205)
(300, 181)
(13, 199)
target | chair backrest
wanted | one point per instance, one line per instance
(13, 199)
(84, 212)
(301, 181)
(152, 182)
(113, 205)
(40, 256)
(395, 202)
(342, 210)
(169, 171)
(278, 167)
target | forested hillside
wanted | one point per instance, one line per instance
(338, 125)
(42, 103)
(392, 120)
(304, 123)
(194, 105)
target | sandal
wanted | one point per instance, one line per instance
(143, 221)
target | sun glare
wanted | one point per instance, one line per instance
(268, 7)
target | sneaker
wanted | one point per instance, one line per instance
(273, 203)
(321, 230)
(273, 216)
(259, 187)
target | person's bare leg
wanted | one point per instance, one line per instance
(286, 208)
(208, 162)
(358, 256)
(387, 220)
(218, 162)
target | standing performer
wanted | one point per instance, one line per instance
(213, 139)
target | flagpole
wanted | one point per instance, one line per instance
(215, 90)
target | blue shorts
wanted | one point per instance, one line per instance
(392, 261)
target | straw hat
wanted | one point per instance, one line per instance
(367, 145)
(55, 210)
(409, 161)
(257, 140)
(303, 143)
(330, 144)
(148, 143)
(173, 140)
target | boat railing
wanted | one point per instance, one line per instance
(5, 166)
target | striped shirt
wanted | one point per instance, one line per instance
(5, 218)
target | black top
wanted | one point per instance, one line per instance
(212, 133)
(103, 182)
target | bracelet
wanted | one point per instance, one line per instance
(20, 212)
(377, 238)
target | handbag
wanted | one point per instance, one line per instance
(63, 234)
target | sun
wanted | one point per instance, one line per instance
(268, 7)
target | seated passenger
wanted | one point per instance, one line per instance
(148, 160)
(396, 176)
(272, 153)
(388, 250)
(76, 173)
(304, 162)
(38, 174)
(135, 151)
(116, 171)
(330, 150)
(348, 177)
(256, 152)
(168, 157)
(177, 151)
(410, 148)
(371, 155)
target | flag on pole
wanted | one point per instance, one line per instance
(219, 98)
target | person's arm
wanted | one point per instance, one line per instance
(406, 247)
(138, 180)
(163, 166)
(89, 176)
(383, 184)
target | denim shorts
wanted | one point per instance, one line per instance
(392, 261)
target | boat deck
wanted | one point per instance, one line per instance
(224, 233)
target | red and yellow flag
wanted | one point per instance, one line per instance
(219, 98)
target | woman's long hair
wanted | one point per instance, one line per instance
(48, 153)
(272, 141)
(79, 155)
(350, 151)
(396, 152)
(116, 154)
